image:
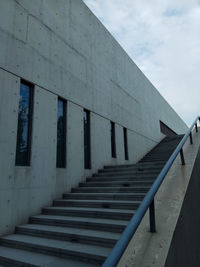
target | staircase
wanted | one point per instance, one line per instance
(81, 228)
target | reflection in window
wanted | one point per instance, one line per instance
(113, 142)
(87, 151)
(61, 134)
(24, 125)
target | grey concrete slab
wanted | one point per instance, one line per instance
(82, 219)
(122, 196)
(67, 233)
(17, 257)
(58, 248)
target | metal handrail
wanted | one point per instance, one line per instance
(148, 202)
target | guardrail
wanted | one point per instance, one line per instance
(147, 203)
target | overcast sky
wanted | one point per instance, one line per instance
(163, 39)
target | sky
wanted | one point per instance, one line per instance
(163, 39)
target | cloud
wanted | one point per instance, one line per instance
(162, 37)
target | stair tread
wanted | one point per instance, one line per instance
(58, 244)
(127, 173)
(99, 201)
(106, 193)
(131, 165)
(81, 219)
(115, 183)
(37, 259)
(136, 186)
(91, 209)
(124, 178)
(70, 231)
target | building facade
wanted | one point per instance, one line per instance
(71, 101)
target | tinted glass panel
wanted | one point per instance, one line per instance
(24, 125)
(61, 134)
(113, 143)
(125, 144)
(87, 152)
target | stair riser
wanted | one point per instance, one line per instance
(74, 224)
(139, 169)
(137, 165)
(116, 184)
(96, 205)
(125, 174)
(135, 179)
(154, 159)
(103, 241)
(103, 197)
(159, 155)
(104, 215)
(110, 190)
(12, 263)
(122, 180)
(96, 259)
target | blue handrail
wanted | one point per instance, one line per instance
(131, 228)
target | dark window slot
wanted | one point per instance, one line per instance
(126, 144)
(87, 144)
(113, 141)
(166, 130)
(24, 128)
(61, 134)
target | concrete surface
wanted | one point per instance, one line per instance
(151, 249)
(185, 250)
(63, 49)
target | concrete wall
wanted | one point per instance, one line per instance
(62, 48)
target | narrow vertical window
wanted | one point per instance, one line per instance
(113, 143)
(61, 134)
(23, 149)
(125, 144)
(87, 150)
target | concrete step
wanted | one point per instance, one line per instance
(118, 183)
(108, 204)
(84, 236)
(130, 169)
(64, 249)
(13, 257)
(128, 173)
(139, 164)
(135, 178)
(146, 159)
(112, 196)
(117, 214)
(81, 222)
(135, 189)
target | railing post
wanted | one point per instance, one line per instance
(191, 141)
(152, 217)
(196, 127)
(182, 157)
